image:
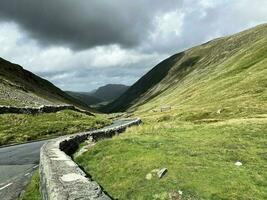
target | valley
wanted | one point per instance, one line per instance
(203, 136)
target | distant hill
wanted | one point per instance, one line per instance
(19, 87)
(86, 97)
(110, 92)
(228, 72)
(105, 93)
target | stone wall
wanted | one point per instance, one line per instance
(41, 109)
(61, 178)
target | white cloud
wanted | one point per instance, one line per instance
(209, 3)
(112, 56)
(167, 25)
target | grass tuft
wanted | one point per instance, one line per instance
(32, 190)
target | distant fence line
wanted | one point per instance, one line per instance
(165, 108)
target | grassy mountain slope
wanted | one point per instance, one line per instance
(19, 87)
(227, 73)
(102, 94)
(85, 97)
(110, 92)
(218, 117)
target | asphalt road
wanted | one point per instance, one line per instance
(18, 162)
(16, 166)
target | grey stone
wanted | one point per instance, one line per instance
(219, 111)
(162, 172)
(238, 164)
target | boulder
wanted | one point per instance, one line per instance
(162, 172)
(238, 164)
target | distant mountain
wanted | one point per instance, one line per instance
(228, 72)
(110, 92)
(86, 97)
(105, 93)
(19, 87)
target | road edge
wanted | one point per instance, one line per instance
(60, 177)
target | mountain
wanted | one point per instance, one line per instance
(105, 93)
(110, 92)
(228, 73)
(19, 87)
(86, 97)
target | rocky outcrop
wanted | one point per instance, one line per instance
(61, 178)
(41, 109)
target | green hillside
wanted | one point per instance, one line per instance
(110, 92)
(85, 97)
(104, 94)
(228, 73)
(205, 120)
(19, 87)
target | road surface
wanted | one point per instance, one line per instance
(16, 166)
(18, 162)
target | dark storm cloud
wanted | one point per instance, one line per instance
(83, 24)
(143, 33)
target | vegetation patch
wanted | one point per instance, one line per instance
(200, 158)
(19, 128)
(32, 190)
(213, 139)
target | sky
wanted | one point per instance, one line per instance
(81, 45)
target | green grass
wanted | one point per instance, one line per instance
(237, 85)
(19, 128)
(200, 159)
(218, 98)
(32, 189)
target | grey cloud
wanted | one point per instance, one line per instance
(201, 24)
(83, 24)
(86, 79)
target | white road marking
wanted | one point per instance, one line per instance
(26, 174)
(35, 166)
(5, 186)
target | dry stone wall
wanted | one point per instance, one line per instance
(61, 178)
(41, 109)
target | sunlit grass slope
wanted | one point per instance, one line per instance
(18, 128)
(218, 116)
(200, 159)
(228, 73)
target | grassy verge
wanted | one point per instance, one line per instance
(200, 158)
(19, 128)
(32, 189)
